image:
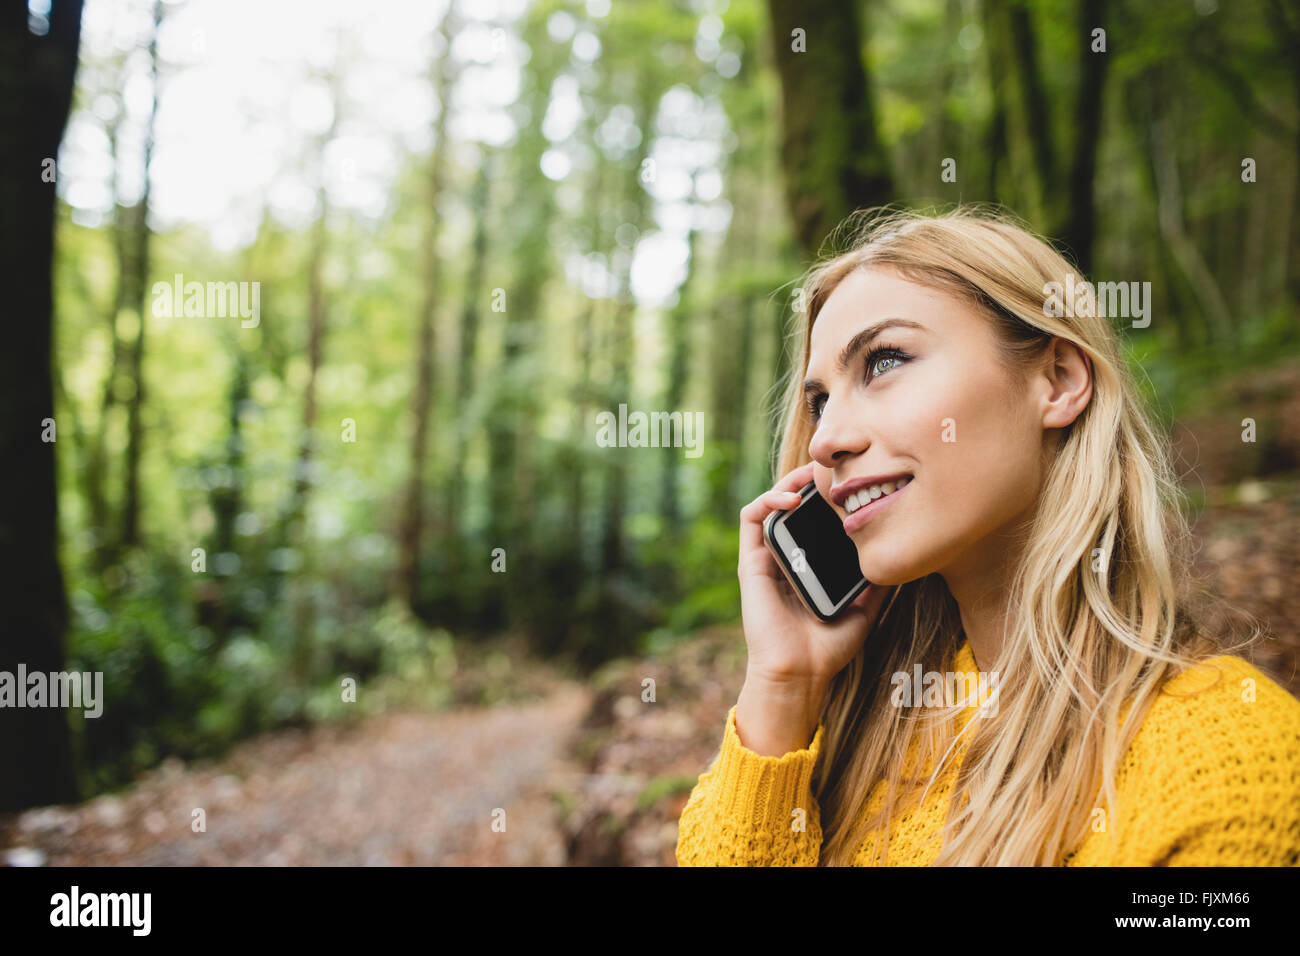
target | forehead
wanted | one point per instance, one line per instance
(868, 296)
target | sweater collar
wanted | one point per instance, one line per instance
(963, 661)
(964, 658)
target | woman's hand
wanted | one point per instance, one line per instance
(792, 654)
(787, 644)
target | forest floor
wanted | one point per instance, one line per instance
(395, 789)
(589, 774)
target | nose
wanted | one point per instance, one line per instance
(839, 434)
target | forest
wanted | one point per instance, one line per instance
(332, 326)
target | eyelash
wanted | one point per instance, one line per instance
(883, 351)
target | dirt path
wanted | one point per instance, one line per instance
(398, 789)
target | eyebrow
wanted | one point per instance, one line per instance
(857, 344)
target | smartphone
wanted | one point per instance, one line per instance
(819, 559)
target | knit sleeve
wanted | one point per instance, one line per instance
(752, 810)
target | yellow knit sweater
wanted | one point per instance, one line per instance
(1210, 779)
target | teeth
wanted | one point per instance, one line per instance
(868, 495)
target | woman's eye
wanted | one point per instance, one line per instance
(883, 360)
(878, 362)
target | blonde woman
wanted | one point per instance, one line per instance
(1018, 517)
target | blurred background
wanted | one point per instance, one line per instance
(353, 564)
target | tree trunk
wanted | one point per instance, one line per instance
(226, 501)
(97, 457)
(731, 339)
(1288, 36)
(1080, 227)
(1036, 118)
(833, 158)
(295, 533)
(577, 494)
(623, 345)
(139, 283)
(997, 128)
(679, 337)
(465, 378)
(422, 402)
(36, 83)
(511, 427)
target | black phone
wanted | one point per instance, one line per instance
(818, 557)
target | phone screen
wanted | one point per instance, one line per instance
(830, 553)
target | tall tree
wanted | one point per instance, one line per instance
(679, 341)
(596, 206)
(1035, 114)
(294, 521)
(752, 186)
(834, 159)
(1287, 31)
(97, 450)
(1079, 229)
(38, 64)
(996, 134)
(622, 339)
(412, 522)
(465, 379)
(226, 499)
(138, 273)
(515, 405)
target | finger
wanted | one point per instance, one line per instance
(757, 510)
(796, 479)
(755, 513)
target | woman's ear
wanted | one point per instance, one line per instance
(1067, 372)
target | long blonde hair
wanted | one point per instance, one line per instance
(1082, 646)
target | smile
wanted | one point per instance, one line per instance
(865, 504)
(867, 495)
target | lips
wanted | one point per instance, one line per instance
(840, 493)
(867, 508)
(864, 496)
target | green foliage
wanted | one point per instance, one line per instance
(156, 678)
(704, 567)
(171, 691)
(417, 664)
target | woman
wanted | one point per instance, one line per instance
(1017, 515)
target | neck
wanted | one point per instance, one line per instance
(980, 584)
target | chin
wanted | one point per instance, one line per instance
(886, 573)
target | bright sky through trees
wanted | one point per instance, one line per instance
(244, 91)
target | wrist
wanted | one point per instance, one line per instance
(786, 686)
(774, 718)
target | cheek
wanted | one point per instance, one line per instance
(934, 413)
(982, 445)
(976, 457)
